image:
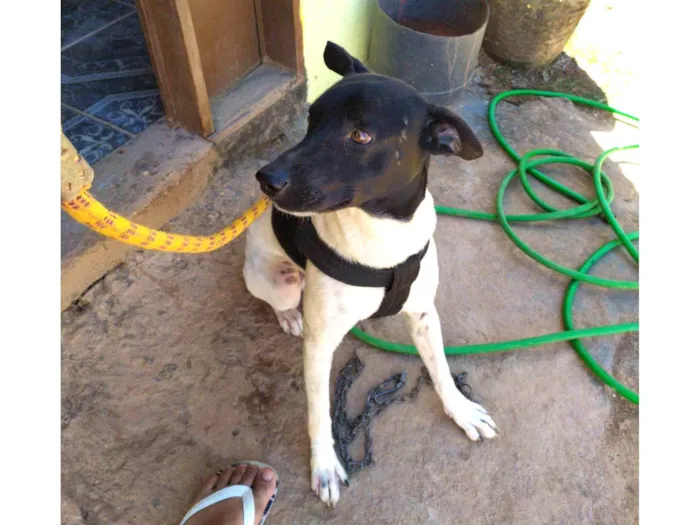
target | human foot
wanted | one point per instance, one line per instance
(262, 481)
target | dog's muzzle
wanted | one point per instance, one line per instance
(272, 180)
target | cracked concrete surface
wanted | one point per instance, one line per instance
(170, 369)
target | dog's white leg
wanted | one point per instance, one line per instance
(427, 336)
(331, 309)
(326, 470)
(288, 284)
(279, 283)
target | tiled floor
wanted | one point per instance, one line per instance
(108, 87)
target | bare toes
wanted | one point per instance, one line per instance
(263, 489)
(249, 476)
(238, 473)
(263, 483)
(224, 478)
(207, 488)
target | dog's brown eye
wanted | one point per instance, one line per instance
(361, 137)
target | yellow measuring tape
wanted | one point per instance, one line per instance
(84, 208)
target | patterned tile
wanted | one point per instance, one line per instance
(80, 17)
(67, 114)
(107, 74)
(92, 139)
(117, 50)
(133, 112)
(72, 71)
(82, 95)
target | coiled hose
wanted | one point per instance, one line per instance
(586, 208)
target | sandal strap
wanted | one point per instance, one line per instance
(234, 491)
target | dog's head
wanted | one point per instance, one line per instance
(368, 143)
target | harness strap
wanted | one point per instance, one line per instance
(300, 241)
(285, 227)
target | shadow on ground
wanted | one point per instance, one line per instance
(563, 75)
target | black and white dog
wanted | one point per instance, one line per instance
(351, 206)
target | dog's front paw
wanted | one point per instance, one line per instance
(291, 321)
(326, 474)
(472, 418)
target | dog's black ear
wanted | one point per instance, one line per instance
(446, 133)
(342, 62)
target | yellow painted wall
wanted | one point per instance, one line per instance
(345, 22)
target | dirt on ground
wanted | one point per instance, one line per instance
(170, 369)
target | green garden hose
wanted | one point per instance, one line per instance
(586, 208)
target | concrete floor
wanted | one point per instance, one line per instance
(171, 370)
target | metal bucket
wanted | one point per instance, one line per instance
(432, 45)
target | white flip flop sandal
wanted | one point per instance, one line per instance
(237, 491)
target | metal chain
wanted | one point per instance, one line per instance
(346, 430)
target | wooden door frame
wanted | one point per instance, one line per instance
(175, 54)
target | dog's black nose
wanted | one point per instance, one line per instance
(272, 180)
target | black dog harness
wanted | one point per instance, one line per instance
(301, 242)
